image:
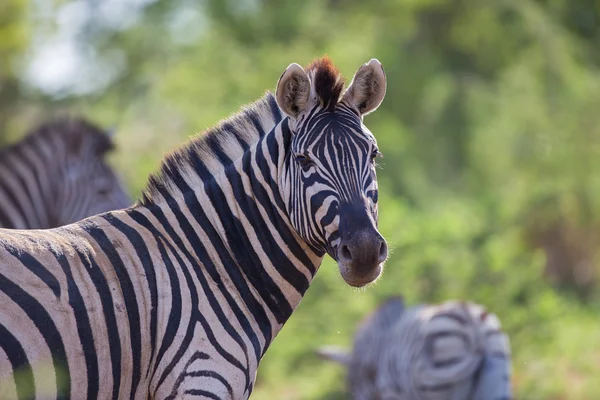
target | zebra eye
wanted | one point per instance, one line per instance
(304, 160)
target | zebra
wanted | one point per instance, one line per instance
(180, 295)
(57, 175)
(450, 351)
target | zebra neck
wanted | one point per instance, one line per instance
(247, 204)
(237, 225)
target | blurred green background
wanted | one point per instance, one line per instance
(490, 182)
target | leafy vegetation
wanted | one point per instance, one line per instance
(490, 184)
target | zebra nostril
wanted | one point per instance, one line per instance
(383, 251)
(345, 253)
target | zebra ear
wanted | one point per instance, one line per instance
(367, 90)
(335, 354)
(293, 90)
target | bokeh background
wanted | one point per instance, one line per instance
(490, 182)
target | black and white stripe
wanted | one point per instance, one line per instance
(454, 350)
(340, 166)
(57, 175)
(180, 295)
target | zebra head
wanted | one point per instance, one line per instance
(86, 185)
(328, 180)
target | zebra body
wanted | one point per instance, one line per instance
(181, 295)
(57, 175)
(449, 351)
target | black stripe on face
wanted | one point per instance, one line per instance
(341, 152)
(339, 165)
(22, 372)
(45, 325)
(84, 329)
(129, 296)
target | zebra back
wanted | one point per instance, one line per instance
(451, 351)
(57, 175)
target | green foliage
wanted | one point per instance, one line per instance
(14, 40)
(490, 184)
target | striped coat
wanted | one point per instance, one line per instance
(449, 351)
(58, 175)
(180, 295)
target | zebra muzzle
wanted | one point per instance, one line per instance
(360, 257)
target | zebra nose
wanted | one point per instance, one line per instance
(363, 251)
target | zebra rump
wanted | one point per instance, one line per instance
(450, 351)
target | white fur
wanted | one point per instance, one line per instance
(293, 90)
(368, 87)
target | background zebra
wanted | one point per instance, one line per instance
(58, 175)
(180, 295)
(451, 351)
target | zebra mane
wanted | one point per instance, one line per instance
(73, 132)
(327, 80)
(207, 153)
